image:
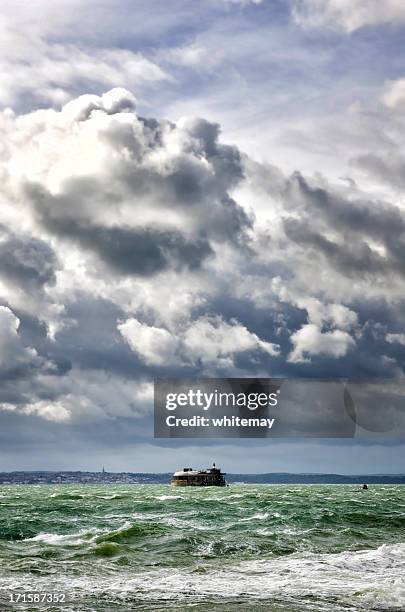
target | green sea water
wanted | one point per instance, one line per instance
(244, 547)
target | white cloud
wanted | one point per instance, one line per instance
(395, 338)
(348, 15)
(213, 341)
(85, 396)
(320, 314)
(155, 346)
(208, 341)
(155, 168)
(56, 411)
(34, 67)
(310, 341)
(394, 94)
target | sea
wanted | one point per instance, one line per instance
(295, 548)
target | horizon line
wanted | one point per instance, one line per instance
(228, 473)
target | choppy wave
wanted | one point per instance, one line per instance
(71, 539)
(278, 548)
(260, 516)
(365, 580)
(165, 497)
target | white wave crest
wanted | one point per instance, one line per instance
(363, 580)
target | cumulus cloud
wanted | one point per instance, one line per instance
(156, 346)
(347, 15)
(213, 341)
(139, 214)
(140, 195)
(395, 338)
(310, 340)
(141, 239)
(319, 313)
(209, 342)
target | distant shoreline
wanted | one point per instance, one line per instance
(82, 477)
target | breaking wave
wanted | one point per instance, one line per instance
(273, 548)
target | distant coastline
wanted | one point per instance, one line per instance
(79, 477)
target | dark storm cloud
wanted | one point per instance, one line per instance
(374, 218)
(349, 258)
(27, 355)
(19, 363)
(34, 332)
(92, 341)
(26, 261)
(353, 224)
(134, 251)
(390, 168)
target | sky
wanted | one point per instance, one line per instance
(195, 188)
